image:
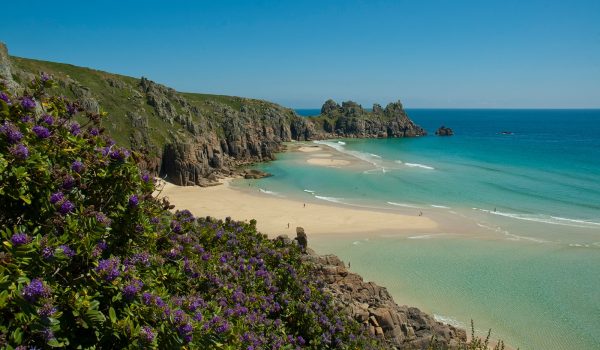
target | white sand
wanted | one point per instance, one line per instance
(328, 162)
(273, 214)
(310, 149)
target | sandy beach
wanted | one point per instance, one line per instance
(273, 214)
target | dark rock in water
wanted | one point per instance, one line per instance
(444, 131)
(255, 174)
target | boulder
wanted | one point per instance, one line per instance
(444, 131)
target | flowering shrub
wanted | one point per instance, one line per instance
(90, 259)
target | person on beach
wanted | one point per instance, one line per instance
(420, 213)
(288, 225)
(304, 205)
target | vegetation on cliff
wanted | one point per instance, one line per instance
(91, 259)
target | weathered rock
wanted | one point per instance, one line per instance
(255, 174)
(6, 74)
(301, 238)
(444, 131)
(401, 327)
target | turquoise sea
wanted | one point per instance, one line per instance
(528, 267)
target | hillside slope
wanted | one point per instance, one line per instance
(190, 137)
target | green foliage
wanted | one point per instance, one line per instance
(89, 258)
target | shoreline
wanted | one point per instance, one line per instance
(273, 214)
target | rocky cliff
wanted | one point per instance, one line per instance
(193, 138)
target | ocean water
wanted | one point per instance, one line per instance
(531, 268)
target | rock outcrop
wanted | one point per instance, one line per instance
(444, 131)
(401, 327)
(6, 70)
(351, 120)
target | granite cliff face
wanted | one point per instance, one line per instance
(193, 138)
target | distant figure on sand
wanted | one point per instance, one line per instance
(304, 205)
(288, 225)
(420, 213)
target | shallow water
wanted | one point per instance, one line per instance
(532, 271)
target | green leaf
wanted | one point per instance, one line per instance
(25, 199)
(112, 314)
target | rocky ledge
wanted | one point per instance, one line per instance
(444, 131)
(400, 327)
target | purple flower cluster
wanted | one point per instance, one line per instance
(48, 119)
(56, 197)
(27, 103)
(109, 269)
(132, 288)
(102, 219)
(41, 131)
(63, 205)
(134, 201)
(34, 290)
(19, 151)
(75, 129)
(4, 97)
(77, 166)
(67, 251)
(147, 335)
(119, 154)
(47, 310)
(66, 207)
(11, 132)
(20, 239)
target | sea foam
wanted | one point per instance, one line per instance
(417, 165)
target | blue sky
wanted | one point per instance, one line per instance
(494, 54)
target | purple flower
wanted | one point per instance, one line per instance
(27, 103)
(130, 290)
(34, 290)
(48, 119)
(26, 119)
(47, 253)
(155, 220)
(75, 129)
(67, 251)
(19, 151)
(134, 201)
(147, 334)
(4, 97)
(47, 310)
(103, 219)
(56, 197)
(45, 77)
(145, 177)
(12, 133)
(94, 131)
(223, 327)
(20, 239)
(68, 182)
(71, 108)
(66, 207)
(119, 154)
(108, 269)
(77, 166)
(175, 226)
(41, 132)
